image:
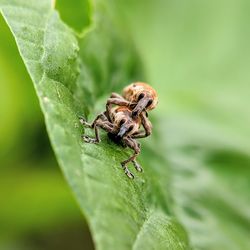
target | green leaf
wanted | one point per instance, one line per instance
(72, 76)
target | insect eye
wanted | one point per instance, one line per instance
(141, 96)
(149, 103)
(130, 128)
(122, 121)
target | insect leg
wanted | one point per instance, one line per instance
(84, 122)
(101, 116)
(115, 95)
(120, 101)
(137, 166)
(106, 125)
(146, 125)
(133, 144)
(89, 139)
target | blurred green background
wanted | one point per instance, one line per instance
(197, 55)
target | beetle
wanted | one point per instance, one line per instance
(138, 96)
(121, 128)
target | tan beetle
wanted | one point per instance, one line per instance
(122, 129)
(123, 122)
(140, 98)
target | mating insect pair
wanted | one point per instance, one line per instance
(123, 122)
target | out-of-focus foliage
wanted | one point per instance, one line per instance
(196, 54)
(77, 14)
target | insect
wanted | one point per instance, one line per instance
(140, 97)
(123, 122)
(122, 128)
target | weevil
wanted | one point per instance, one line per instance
(121, 128)
(140, 98)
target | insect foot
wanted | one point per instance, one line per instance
(88, 139)
(127, 172)
(84, 122)
(137, 166)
